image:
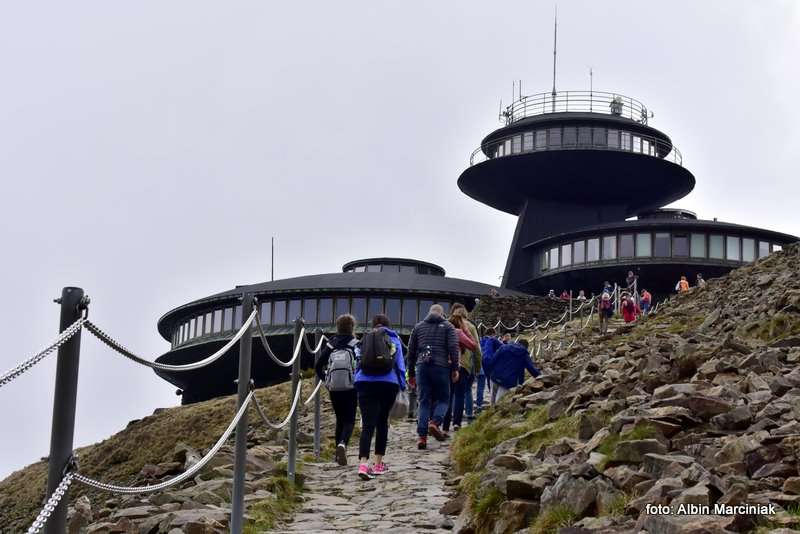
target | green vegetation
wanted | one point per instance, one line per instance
(777, 327)
(552, 519)
(473, 443)
(488, 506)
(617, 506)
(640, 431)
(267, 513)
(563, 427)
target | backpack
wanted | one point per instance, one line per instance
(341, 372)
(377, 353)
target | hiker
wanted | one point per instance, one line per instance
(489, 345)
(508, 367)
(466, 345)
(472, 360)
(646, 299)
(581, 297)
(552, 294)
(336, 367)
(701, 283)
(608, 288)
(505, 338)
(629, 308)
(606, 311)
(564, 295)
(432, 366)
(630, 279)
(682, 286)
(380, 376)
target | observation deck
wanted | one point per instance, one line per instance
(577, 102)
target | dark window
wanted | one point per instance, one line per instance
(294, 310)
(424, 307)
(237, 317)
(541, 139)
(279, 312)
(579, 251)
(584, 135)
(763, 249)
(266, 312)
(375, 307)
(593, 249)
(545, 260)
(626, 246)
(613, 139)
(342, 306)
(217, 321)
(360, 309)
(555, 137)
(445, 306)
(680, 245)
(310, 311)
(393, 311)
(228, 319)
(553, 258)
(527, 141)
(748, 249)
(716, 247)
(570, 136)
(599, 136)
(373, 268)
(610, 247)
(516, 144)
(698, 246)
(389, 268)
(360, 269)
(662, 248)
(408, 269)
(409, 312)
(325, 311)
(421, 269)
(644, 245)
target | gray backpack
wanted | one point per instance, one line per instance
(341, 368)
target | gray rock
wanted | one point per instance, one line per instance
(654, 464)
(634, 451)
(575, 493)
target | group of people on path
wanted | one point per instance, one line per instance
(445, 356)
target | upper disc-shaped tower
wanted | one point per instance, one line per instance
(571, 159)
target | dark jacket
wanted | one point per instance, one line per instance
(338, 341)
(436, 336)
(489, 346)
(509, 363)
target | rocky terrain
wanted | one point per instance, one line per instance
(510, 309)
(698, 405)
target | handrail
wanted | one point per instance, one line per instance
(645, 144)
(576, 102)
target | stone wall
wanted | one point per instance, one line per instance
(511, 309)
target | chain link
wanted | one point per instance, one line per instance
(51, 504)
(62, 338)
(178, 479)
(108, 340)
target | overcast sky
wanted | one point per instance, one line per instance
(148, 150)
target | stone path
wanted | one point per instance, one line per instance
(405, 500)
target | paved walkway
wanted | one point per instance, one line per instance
(405, 500)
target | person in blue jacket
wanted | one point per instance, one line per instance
(376, 395)
(489, 345)
(508, 365)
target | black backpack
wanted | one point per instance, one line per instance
(377, 353)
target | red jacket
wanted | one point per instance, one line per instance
(629, 311)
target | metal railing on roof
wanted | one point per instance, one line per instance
(576, 102)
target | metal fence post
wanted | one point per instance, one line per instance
(240, 460)
(292, 464)
(318, 399)
(570, 305)
(66, 395)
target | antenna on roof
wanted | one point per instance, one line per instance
(500, 111)
(520, 89)
(272, 261)
(590, 88)
(555, 42)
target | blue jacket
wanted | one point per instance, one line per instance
(395, 376)
(489, 346)
(510, 362)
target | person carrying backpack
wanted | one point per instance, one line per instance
(380, 376)
(336, 367)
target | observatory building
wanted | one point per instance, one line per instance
(587, 175)
(403, 289)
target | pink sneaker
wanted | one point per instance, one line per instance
(364, 472)
(380, 469)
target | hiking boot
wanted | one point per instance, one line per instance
(364, 472)
(422, 443)
(435, 431)
(341, 454)
(380, 469)
(456, 428)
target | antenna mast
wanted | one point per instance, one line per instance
(555, 41)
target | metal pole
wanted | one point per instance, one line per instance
(66, 395)
(240, 459)
(318, 399)
(570, 305)
(291, 467)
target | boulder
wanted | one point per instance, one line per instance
(654, 464)
(737, 419)
(634, 451)
(514, 515)
(576, 494)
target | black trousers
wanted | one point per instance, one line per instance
(375, 400)
(344, 406)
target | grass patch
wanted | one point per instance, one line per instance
(487, 507)
(617, 506)
(267, 513)
(552, 519)
(640, 431)
(563, 427)
(793, 509)
(473, 442)
(777, 327)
